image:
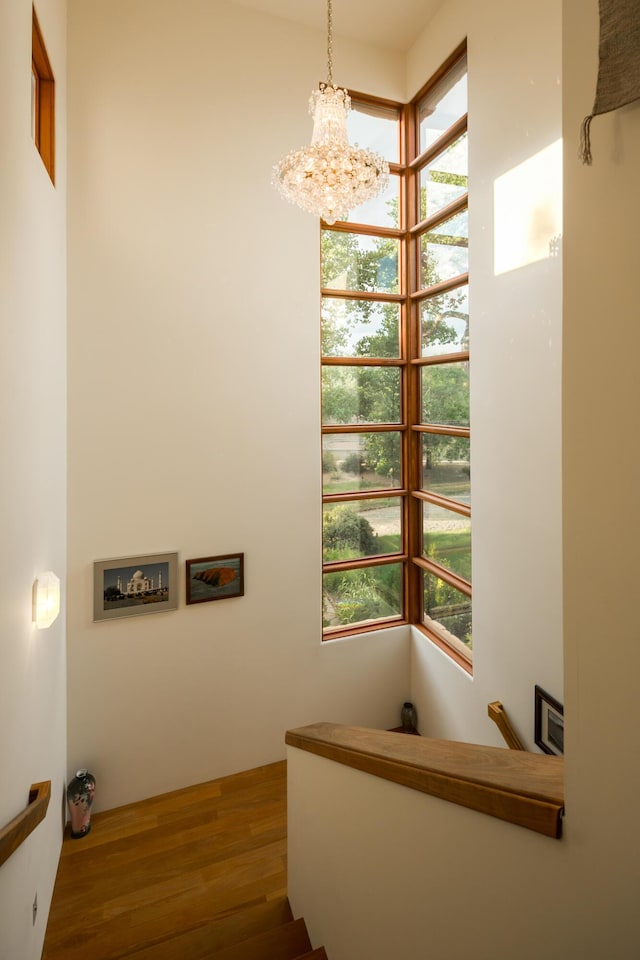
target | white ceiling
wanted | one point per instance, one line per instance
(386, 23)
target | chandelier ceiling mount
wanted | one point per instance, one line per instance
(330, 177)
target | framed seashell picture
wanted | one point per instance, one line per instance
(215, 578)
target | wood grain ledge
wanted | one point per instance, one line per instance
(522, 788)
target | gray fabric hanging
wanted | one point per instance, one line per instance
(619, 63)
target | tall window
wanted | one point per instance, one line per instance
(42, 99)
(439, 337)
(395, 407)
(363, 395)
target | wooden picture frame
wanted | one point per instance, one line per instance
(549, 723)
(134, 586)
(215, 578)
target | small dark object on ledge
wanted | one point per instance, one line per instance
(409, 718)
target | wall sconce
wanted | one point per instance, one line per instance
(46, 599)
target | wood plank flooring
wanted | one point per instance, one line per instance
(151, 878)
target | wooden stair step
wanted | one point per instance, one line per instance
(220, 933)
(195, 874)
(285, 942)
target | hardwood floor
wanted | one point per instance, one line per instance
(167, 877)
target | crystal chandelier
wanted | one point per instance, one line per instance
(330, 177)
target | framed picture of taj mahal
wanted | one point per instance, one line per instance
(133, 586)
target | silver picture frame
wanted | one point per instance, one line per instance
(135, 586)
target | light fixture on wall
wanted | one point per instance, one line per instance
(330, 177)
(46, 599)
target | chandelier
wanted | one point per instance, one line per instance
(330, 177)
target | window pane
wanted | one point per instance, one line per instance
(360, 328)
(447, 611)
(375, 127)
(444, 323)
(360, 395)
(364, 528)
(446, 468)
(354, 262)
(446, 103)
(444, 179)
(360, 461)
(445, 394)
(381, 211)
(446, 539)
(444, 251)
(362, 596)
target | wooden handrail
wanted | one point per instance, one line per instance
(17, 831)
(522, 788)
(498, 714)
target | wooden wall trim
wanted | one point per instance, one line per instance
(523, 788)
(17, 831)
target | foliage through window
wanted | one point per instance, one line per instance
(395, 378)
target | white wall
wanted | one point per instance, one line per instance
(380, 871)
(514, 58)
(194, 393)
(170, 205)
(389, 872)
(601, 514)
(449, 882)
(33, 477)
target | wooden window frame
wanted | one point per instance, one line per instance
(401, 363)
(410, 364)
(416, 229)
(43, 121)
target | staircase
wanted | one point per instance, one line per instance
(197, 874)
(265, 932)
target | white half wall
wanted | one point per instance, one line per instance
(33, 476)
(515, 170)
(381, 871)
(195, 393)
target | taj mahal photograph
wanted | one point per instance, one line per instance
(132, 586)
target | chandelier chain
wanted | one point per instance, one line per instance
(329, 43)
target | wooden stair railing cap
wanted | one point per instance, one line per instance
(523, 788)
(17, 831)
(498, 714)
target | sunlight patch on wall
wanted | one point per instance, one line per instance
(527, 209)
